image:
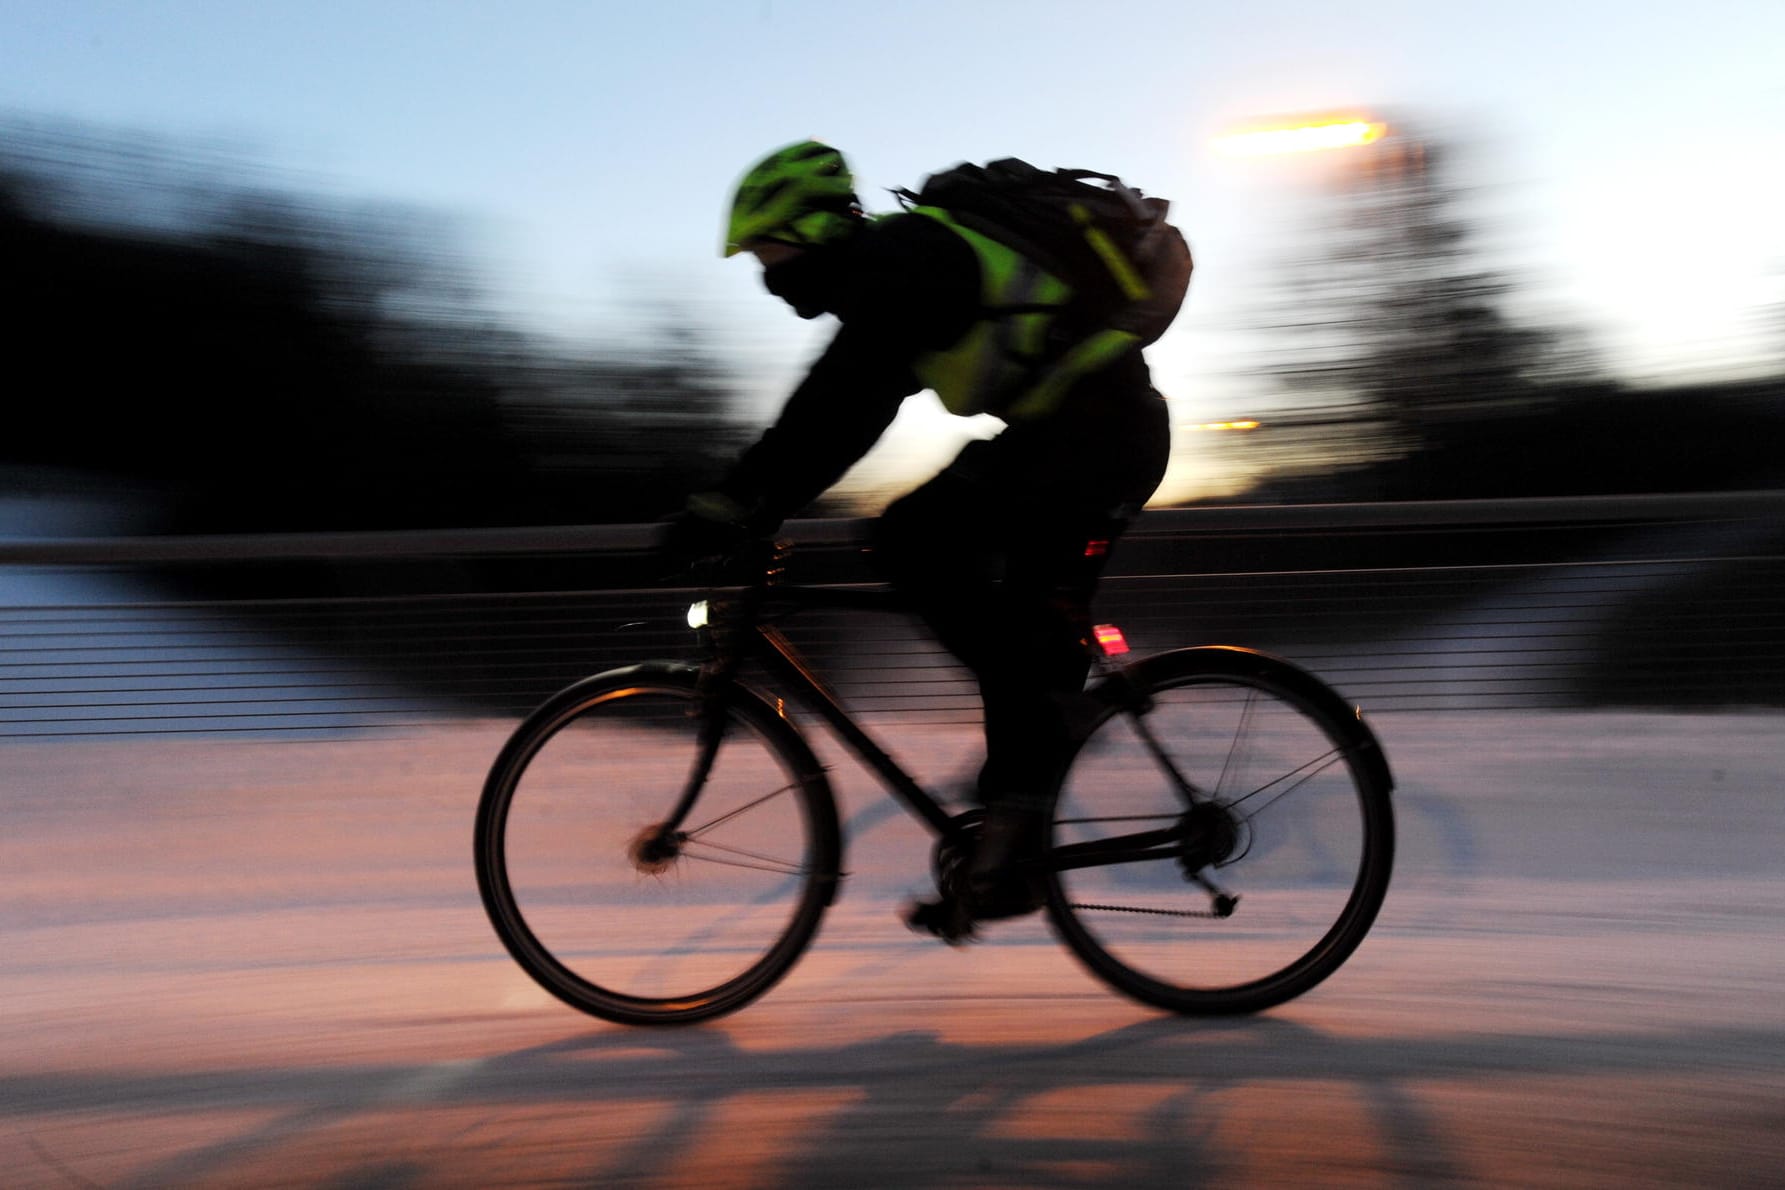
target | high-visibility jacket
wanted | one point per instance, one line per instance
(1009, 362)
(910, 294)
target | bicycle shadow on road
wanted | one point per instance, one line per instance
(1155, 1102)
(910, 1108)
(1143, 1104)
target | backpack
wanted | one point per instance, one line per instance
(1128, 267)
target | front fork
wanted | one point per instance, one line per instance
(660, 844)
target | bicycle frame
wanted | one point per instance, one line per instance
(766, 645)
(728, 646)
(1134, 784)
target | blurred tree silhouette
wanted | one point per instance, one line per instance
(643, 430)
(1389, 334)
(1407, 379)
(264, 362)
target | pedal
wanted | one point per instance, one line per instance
(944, 918)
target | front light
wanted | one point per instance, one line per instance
(697, 614)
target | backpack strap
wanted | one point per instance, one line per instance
(1091, 354)
(1117, 262)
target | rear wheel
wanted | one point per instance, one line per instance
(1289, 829)
(616, 910)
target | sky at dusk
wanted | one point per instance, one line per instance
(1628, 160)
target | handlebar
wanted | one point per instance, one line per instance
(755, 574)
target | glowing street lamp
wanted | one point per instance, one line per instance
(1302, 135)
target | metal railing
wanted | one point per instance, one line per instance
(1631, 601)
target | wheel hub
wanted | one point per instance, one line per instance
(1211, 836)
(655, 849)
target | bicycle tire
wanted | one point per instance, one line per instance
(664, 940)
(1306, 841)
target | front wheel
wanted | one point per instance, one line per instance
(613, 903)
(1224, 835)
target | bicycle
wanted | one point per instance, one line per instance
(657, 844)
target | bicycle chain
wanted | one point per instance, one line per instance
(1155, 912)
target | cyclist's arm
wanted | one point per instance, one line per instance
(832, 419)
(907, 287)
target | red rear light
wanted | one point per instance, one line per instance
(1111, 640)
(1096, 549)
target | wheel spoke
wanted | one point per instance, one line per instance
(1302, 774)
(766, 863)
(1241, 732)
(750, 805)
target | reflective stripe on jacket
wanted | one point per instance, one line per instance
(1002, 365)
(990, 366)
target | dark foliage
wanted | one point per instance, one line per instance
(1694, 438)
(256, 362)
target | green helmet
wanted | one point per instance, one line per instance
(802, 194)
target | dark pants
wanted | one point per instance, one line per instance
(1000, 554)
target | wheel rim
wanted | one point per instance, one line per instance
(1306, 864)
(629, 928)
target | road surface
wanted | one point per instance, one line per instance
(251, 962)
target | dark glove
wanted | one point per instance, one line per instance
(712, 526)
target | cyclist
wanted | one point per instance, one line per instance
(1000, 551)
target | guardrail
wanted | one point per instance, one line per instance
(1642, 600)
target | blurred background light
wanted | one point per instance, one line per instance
(1305, 136)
